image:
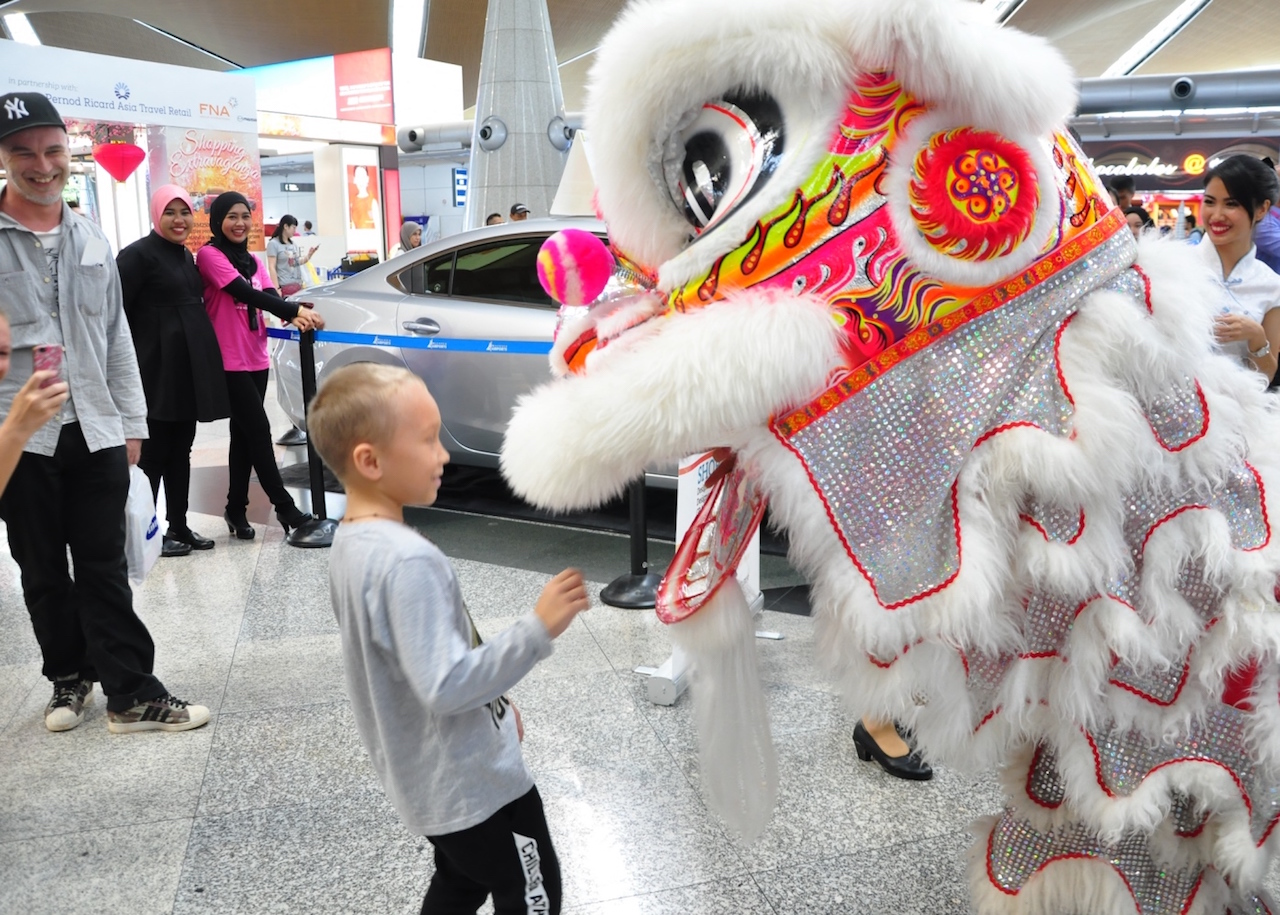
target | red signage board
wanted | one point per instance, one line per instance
(362, 83)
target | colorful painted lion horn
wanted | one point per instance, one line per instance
(1029, 495)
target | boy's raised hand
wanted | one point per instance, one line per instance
(564, 597)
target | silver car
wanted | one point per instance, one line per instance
(465, 313)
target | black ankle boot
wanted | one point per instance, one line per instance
(292, 517)
(238, 525)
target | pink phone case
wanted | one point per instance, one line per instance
(47, 358)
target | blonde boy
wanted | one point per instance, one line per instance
(427, 693)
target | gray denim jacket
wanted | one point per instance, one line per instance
(88, 317)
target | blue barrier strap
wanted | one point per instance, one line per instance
(443, 344)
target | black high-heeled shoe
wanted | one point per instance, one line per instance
(293, 518)
(188, 536)
(239, 526)
(910, 767)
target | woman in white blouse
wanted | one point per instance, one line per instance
(1238, 192)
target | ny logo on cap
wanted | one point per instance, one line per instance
(15, 108)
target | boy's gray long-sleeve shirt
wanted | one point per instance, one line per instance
(428, 699)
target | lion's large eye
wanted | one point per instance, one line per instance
(723, 156)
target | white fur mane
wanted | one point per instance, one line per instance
(948, 54)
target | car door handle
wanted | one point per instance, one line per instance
(423, 327)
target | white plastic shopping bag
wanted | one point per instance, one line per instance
(141, 528)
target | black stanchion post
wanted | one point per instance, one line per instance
(318, 532)
(639, 589)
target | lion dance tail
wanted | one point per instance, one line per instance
(737, 760)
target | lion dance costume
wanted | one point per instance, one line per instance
(856, 246)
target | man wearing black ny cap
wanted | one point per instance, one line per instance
(59, 285)
(519, 212)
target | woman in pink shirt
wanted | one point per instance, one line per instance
(236, 287)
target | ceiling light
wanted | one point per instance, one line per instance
(20, 28)
(577, 58)
(191, 45)
(1216, 112)
(1144, 113)
(1157, 38)
(1003, 9)
(408, 19)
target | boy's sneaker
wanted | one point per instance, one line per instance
(163, 713)
(66, 709)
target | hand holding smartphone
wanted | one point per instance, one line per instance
(47, 357)
(38, 401)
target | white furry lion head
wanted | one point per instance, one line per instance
(894, 159)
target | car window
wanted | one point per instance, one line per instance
(505, 271)
(430, 277)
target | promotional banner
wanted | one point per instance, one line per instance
(362, 86)
(194, 128)
(206, 163)
(94, 87)
(363, 210)
(362, 197)
(347, 87)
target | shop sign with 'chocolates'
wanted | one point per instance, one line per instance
(1171, 165)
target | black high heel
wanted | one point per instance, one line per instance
(293, 518)
(238, 526)
(910, 767)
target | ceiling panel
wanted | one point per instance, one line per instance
(1227, 35)
(455, 33)
(578, 25)
(248, 32)
(104, 34)
(1091, 34)
(573, 83)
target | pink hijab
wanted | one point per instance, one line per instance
(164, 196)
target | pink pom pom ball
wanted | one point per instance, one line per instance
(574, 266)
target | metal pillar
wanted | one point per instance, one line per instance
(521, 140)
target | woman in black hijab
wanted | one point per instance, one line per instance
(236, 287)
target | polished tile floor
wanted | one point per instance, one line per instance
(273, 808)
